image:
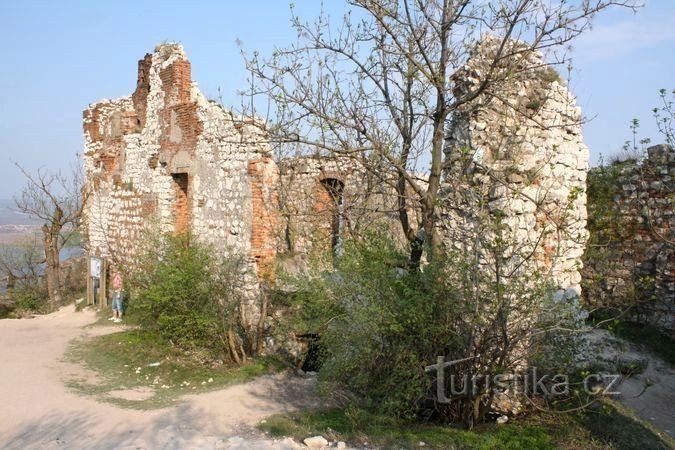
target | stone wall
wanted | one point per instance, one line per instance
(631, 263)
(324, 200)
(516, 166)
(169, 158)
(314, 193)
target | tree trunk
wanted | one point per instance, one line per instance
(52, 270)
(11, 282)
(261, 323)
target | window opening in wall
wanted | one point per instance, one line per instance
(335, 189)
(182, 202)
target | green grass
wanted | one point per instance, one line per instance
(356, 427)
(128, 360)
(600, 427)
(646, 336)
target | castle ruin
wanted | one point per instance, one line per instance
(166, 156)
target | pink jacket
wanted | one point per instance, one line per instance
(117, 281)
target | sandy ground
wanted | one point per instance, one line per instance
(38, 412)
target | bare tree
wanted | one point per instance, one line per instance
(57, 200)
(377, 86)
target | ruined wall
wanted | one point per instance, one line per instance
(314, 194)
(324, 200)
(167, 157)
(516, 161)
(631, 262)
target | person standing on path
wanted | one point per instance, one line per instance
(117, 297)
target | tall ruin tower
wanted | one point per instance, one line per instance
(516, 166)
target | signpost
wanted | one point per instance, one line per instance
(96, 281)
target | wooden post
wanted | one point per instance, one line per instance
(90, 283)
(104, 283)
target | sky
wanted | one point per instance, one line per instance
(60, 56)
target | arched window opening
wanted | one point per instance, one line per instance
(335, 189)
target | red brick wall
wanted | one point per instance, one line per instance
(179, 110)
(265, 215)
(140, 95)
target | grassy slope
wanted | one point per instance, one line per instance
(603, 426)
(128, 360)
(123, 361)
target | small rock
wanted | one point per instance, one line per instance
(502, 420)
(422, 444)
(341, 445)
(316, 442)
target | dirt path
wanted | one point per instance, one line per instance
(38, 412)
(650, 393)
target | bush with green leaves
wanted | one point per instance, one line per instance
(190, 296)
(21, 264)
(31, 297)
(381, 323)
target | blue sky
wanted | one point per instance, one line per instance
(60, 56)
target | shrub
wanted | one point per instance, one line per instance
(191, 298)
(31, 297)
(22, 265)
(549, 75)
(380, 324)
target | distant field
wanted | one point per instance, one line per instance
(15, 226)
(13, 238)
(9, 215)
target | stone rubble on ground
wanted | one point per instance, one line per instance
(316, 442)
(241, 443)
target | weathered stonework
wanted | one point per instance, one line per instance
(516, 153)
(633, 263)
(168, 157)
